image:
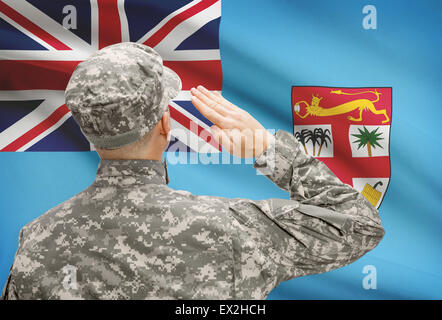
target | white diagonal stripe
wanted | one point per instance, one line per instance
(189, 138)
(165, 20)
(49, 25)
(188, 27)
(52, 101)
(26, 32)
(45, 133)
(189, 115)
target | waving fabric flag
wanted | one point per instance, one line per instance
(355, 148)
(39, 52)
(357, 82)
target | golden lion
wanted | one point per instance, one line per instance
(360, 104)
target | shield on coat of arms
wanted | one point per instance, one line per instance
(349, 130)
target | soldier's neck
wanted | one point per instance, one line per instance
(142, 154)
(148, 149)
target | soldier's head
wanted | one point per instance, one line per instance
(119, 97)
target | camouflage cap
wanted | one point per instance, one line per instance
(120, 93)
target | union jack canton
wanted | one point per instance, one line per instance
(42, 41)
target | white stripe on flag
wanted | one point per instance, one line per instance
(45, 133)
(26, 32)
(165, 20)
(49, 25)
(189, 138)
(189, 115)
(123, 21)
(50, 55)
(191, 55)
(52, 101)
(94, 24)
(185, 29)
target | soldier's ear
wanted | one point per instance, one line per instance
(165, 124)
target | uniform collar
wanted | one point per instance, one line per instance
(126, 172)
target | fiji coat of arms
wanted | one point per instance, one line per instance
(349, 130)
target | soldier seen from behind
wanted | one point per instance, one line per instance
(130, 236)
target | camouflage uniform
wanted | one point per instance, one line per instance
(130, 236)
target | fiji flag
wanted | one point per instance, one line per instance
(357, 82)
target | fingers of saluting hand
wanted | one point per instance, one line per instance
(209, 94)
(210, 109)
(218, 98)
(209, 113)
(210, 100)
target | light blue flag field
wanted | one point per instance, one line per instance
(357, 82)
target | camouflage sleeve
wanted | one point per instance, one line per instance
(325, 225)
(10, 291)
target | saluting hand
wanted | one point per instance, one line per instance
(235, 129)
